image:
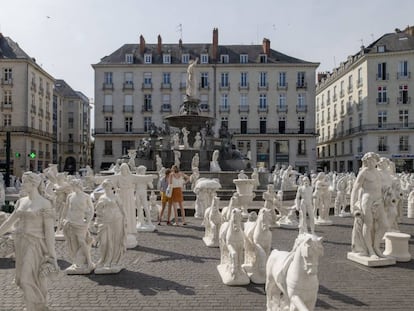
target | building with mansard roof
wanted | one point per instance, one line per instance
(365, 105)
(263, 97)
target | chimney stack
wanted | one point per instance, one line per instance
(214, 50)
(141, 45)
(159, 47)
(180, 43)
(266, 46)
(409, 30)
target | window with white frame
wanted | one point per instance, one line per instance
(166, 78)
(224, 58)
(403, 69)
(300, 82)
(185, 58)
(282, 79)
(301, 147)
(359, 81)
(166, 102)
(224, 122)
(127, 145)
(243, 125)
(244, 104)
(204, 80)
(108, 100)
(204, 58)
(108, 147)
(301, 124)
(403, 118)
(382, 94)
(382, 143)
(263, 58)
(7, 120)
(382, 119)
(382, 71)
(224, 103)
(166, 58)
(108, 124)
(404, 145)
(262, 101)
(128, 124)
(108, 77)
(263, 79)
(403, 94)
(224, 79)
(7, 75)
(129, 58)
(7, 98)
(350, 83)
(147, 103)
(147, 124)
(301, 100)
(128, 78)
(71, 120)
(282, 101)
(244, 79)
(147, 58)
(244, 58)
(147, 78)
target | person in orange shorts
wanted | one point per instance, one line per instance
(177, 180)
(166, 200)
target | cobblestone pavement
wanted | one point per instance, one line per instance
(172, 269)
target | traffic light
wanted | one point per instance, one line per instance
(17, 154)
(32, 155)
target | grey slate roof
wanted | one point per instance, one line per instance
(195, 49)
(63, 89)
(11, 50)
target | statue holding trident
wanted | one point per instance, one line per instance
(191, 89)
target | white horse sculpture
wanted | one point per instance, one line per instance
(257, 247)
(292, 277)
(231, 240)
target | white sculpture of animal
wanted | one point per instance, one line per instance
(292, 277)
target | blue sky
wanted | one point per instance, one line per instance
(66, 37)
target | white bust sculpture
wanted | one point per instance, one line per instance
(214, 164)
(77, 215)
(111, 229)
(212, 222)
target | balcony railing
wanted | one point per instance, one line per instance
(263, 109)
(183, 85)
(243, 108)
(146, 86)
(281, 86)
(6, 106)
(403, 75)
(382, 101)
(301, 108)
(404, 100)
(382, 148)
(224, 87)
(146, 108)
(8, 81)
(341, 93)
(107, 86)
(224, 108)
(262, 86)
(404, 148)
(107, 108)
(129, 85)
(166, 108)
(301, 85)
(204, 86)
(128, 108)
(283, 108)
(350, 88)
(383, 77)
(244, 86)
(26, 129)
(359, 82)
(166, 86)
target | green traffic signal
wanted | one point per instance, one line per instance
(17, 154)
(32, 155)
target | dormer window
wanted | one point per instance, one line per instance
(185, 58)
(224, 58)
(147, 58)
(263, 58)
(244, 58)
(381, 48)
(204, 58)
(129, 58)
(166, 58)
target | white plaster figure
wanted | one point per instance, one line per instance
(292, 277)
(255, 177)
(212, 223)
(155, 208)
(62, 190)
(194, 177)
(370, 222)
(34, 243)
(287, 177)
(322, 200)
(246, 194)
(242, 175)
(271, 203)
(197, 141)
(205, 189)
(232, 251)
(132, 153)
(191, 89)
(304, 206)
(214, 164)
(227, 210)
(340, 199)
(158, 163)
(195, 162)
(76, 217)
(111, 229)
(410, 210)
(177, 156)
(258, 241)
(185, 137)
(175, 140)
(142, 184)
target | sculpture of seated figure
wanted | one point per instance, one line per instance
(77, 215)
(231, 242)
(111, 229)
(257, 247)
(214, 165)
(212, 222)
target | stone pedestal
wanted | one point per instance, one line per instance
(131, 241)
(245, 188)
(396, 246)
(369, 261)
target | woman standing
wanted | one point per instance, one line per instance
(177, 180)
(34, 242)
(164, 199)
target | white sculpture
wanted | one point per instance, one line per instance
(340, 199)
(194, 177)
(410, 210)
(292, 277)
(257, 247)
(155, 208)
(62, 190)
(177, 156)
(304, 206)
(322, 200)
(271, 203)
(212, 222)
(111, 228)
(142, 184)
(76, 217)
(287, 184)
(185, 137)
(195, 162)
(191, 90)
(242, 175)
(214, 165)
(232, 251)
(158, 162)
(255, 177)
(34, 243)
(227, 210)
(246, 194)
(132, 153)
(197, 141)
(205, 189)
(175, 139)
(370, 223)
